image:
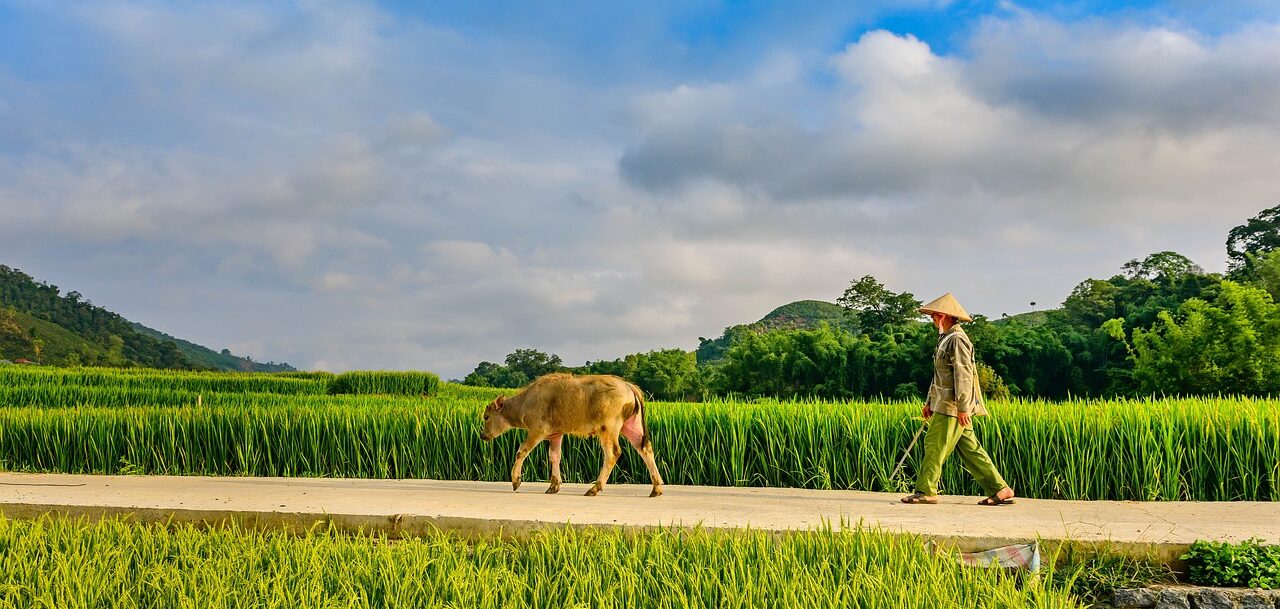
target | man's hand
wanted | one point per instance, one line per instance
(964, 418)
(928, 412)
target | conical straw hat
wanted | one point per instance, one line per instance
(947, 305)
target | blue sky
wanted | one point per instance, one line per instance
(427, 185)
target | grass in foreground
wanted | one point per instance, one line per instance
(63, 563)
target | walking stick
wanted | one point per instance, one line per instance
(908, 451)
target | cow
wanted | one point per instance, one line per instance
(598, 405)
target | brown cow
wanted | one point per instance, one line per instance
(597, 405)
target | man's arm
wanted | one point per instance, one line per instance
(963, 372)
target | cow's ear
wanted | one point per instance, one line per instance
(497, 404)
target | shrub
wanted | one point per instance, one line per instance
(1248, 564)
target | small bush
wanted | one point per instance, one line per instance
(1249, 564)
(390, 383)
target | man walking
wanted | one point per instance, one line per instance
(954, 399)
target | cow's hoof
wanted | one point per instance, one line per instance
(553, 490)
(657, 492)
(593, 491)
(515, 485)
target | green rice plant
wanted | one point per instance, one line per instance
(385, 383)
(315, 375)
(160, 379)
(1206, 450)
(469, 392)
(1169, 449)
(53, 562)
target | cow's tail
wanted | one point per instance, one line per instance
(644, 420)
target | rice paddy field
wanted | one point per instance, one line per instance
(409, 425)
(112, 563)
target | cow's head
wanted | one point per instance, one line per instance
(495, 422)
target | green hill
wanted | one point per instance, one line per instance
(40, 323)
(204, 357)
(806, 314)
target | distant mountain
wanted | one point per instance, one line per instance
(40, 323)
(802, 314)
(204, 357)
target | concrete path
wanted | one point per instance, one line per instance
(406, 507)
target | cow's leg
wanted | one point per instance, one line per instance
(554, 453)
(530, 443)
(612, 450)
(635, 434)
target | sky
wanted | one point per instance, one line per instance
(411, 185)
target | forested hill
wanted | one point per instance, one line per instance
(799, 315)
(40, 323)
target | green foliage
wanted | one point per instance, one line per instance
(1249, 564)
(993, 387)
(1091, 302)
(1258, 236)
(1189, 449)
(489, 374)
(1161, 266)
(799, 315)
(1229, 345)
(877, 307)
(907, 392)
(533, 363)
(369, 382)
(665, 374)
(789, 363)
(521, 368)
(1267, 273)
(113, 563)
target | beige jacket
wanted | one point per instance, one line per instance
(955, 376)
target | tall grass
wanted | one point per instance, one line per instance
(144, 378)
(114, 564)
(389, 383)
(1203, 449)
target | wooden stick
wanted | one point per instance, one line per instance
(908, 451)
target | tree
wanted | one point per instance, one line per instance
(1260, 235)
(1161, 266)
(1092, 302)
(1267, 273)
(993, 387)
(877, 306)
(1230, 345)
(533, 363)
(37, 347)
(667, 374)
(14, 341)
(115, 350)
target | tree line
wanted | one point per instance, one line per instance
(1162, 325)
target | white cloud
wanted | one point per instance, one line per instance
(334, 187)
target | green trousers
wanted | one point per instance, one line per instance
(945, 435)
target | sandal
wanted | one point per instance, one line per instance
(996, 500)
(918, 498)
